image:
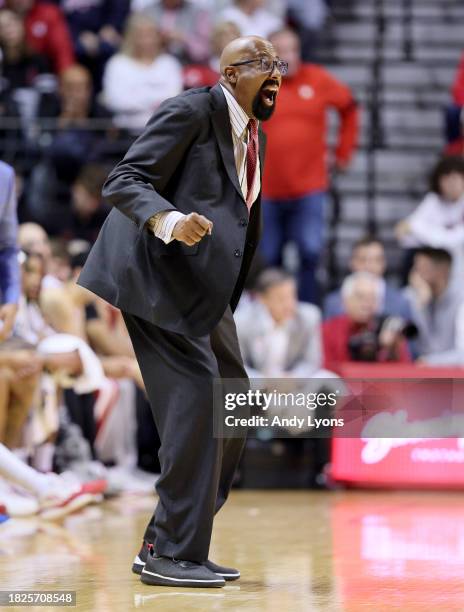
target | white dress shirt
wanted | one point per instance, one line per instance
(165, 221)
(275, 345)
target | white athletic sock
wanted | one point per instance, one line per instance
(15, 470)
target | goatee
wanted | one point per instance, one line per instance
(260, 110)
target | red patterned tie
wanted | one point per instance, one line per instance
(252, 159)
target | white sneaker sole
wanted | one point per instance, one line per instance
(75, 504)
(161, 580)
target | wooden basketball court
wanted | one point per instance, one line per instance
(297, 551)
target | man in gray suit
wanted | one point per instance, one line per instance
(279, 337)
(281, 344)
(173, 255)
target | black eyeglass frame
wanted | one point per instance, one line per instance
(279, 64)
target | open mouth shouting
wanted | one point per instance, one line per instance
(265, 99)
(268, 92)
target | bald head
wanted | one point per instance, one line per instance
(245, 47)
(30, 231)
(33, 238)
(249, 71)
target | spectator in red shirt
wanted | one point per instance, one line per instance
(458, 85)
(46, 31)
(296, 177)
(360, 335)
(454, 115)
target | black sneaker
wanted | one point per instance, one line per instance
(161, 571)
(228, 573)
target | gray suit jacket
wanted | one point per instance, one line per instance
(184, 161)
(304, 353)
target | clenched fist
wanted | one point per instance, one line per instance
(192, 228)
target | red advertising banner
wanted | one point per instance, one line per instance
(425, 406)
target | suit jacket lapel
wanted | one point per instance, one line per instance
(222, 129)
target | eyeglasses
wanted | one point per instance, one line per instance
(267, 64)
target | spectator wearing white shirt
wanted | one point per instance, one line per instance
(252, 18)
(141, 76)
(438, 221)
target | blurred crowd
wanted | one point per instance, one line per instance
(79, 80)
